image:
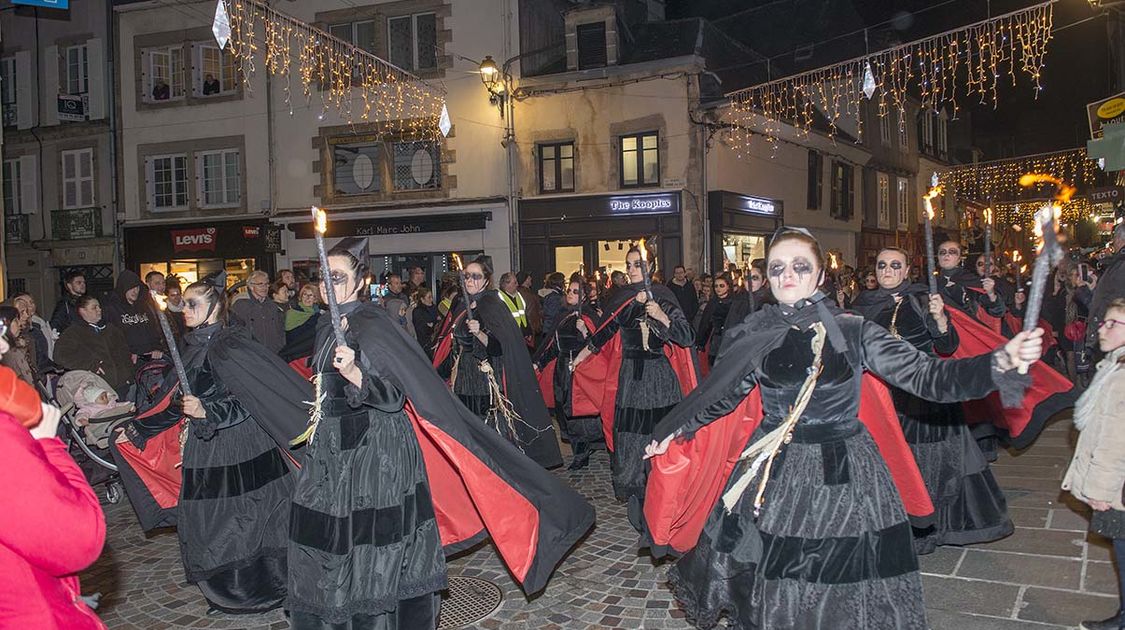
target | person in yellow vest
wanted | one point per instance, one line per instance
(510, 295)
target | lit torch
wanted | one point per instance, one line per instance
(173, 349)
(646, 273)
(987, 242)
(927, 201)
(1048, 247)
(459, 264)
(320, 223)
(1016, 258)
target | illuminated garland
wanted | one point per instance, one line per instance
(331, 67)
(999, 180)
(968, 61)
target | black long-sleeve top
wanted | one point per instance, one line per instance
(962, 290)
(712, 323)
(627, 321)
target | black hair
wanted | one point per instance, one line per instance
(149, 275)
(72, 274)
(556, 280)
(84, 301)
(358, 268)
(9, 314)
(485, 266)
(212, 288)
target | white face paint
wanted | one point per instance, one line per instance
(793, 271)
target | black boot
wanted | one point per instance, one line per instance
(1116, 622)
(581, 455)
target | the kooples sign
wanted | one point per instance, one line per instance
(646, 203)
(194, 240)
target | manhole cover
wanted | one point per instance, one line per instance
(468, 601)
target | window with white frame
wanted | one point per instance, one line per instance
(417, 165)
(412, 41)
(220, 178)
(885, 129)
(77, 70)
(903, 209)
(12, 181)
(357, 169)
(164, 76)
(8, 90)
(942, 134)
(215, 71)
(167, 182)
(926, 134)
(78, 178)
(884, 201)
(903, 141)
(359, 34)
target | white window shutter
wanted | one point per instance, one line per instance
(51, 86)
(196, 70)
(150, 186)
(29, 184)
(200, 180)
(25, 104)
(96, 93)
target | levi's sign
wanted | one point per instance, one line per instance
(193, 240)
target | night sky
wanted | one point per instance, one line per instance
(1077, 65)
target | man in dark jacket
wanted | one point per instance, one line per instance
(553, 302)
(1109, 285)
(129, 308)
(261, 315)
(684, 290)
(534, 307)
(74, 284)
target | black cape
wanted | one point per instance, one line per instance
(482, 457)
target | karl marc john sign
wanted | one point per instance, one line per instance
(398, 225)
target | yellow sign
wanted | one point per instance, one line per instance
(1105, 112)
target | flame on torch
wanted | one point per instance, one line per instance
(161, 301)
(927, 200)
(988, 216)
(644, 250)
(833, 262)
(457, 261)
(1065, 192)
(321, 223)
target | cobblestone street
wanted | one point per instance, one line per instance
(1049, 575)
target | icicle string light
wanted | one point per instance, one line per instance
(359, 86)
(1000, 179)
(968, 62)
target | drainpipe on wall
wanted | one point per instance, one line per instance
(111, 61)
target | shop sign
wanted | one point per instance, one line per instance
(643, 203)
(753, 205)
(398, 225)
(49, 4)
(194, 240)
(1105, 112)
(272, 239)
(251, 231)
(1110, 194)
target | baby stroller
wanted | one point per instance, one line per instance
(91, 415)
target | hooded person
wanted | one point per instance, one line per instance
(643, 368)
(969, 506)
(485, 358)
(398, 473)
(811, 530)
(130, 308)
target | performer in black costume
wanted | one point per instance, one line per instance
(491, 339)
(709, 337)
(825, 543)
(561, 345)
(969, 505)
(237, 481)
(963, 289)
(647, 385)
(392, 448)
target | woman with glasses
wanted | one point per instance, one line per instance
(556, 354)
(810, 529)
(963, 289)
(392, 457)
(244, 408)
(485, 358)
(969, 506)
(300, 324)
(1096, 475)
(648, 367)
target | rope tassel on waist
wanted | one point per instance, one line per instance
(764, 451)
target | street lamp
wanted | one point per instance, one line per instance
(495, 81)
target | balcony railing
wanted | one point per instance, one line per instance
(15, 229)
(70, 225)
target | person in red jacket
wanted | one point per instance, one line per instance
(51, 525)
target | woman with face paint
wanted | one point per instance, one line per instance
(651, 368)
(963, 289)
(393, 447)
(811, 530)
(969, 506)
(491, 340)
(245, 406)
(709, 337)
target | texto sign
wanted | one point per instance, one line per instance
(49, 4)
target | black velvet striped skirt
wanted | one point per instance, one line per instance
(831, 548)
(647, 389)
(365, 551)
(233, 518)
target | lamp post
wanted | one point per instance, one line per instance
(498, 82)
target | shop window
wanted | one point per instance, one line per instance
(843, 190)
(164, 74)
(8, 90)
(740, 249)
(611, 255)
(417, 165)
(569, 259)
(357, 168)
(215, 71)
(412, 41)
(220, 183)
(78, 178)
(883, 200)
(77, 70)
(815, 179)
(359, 34)
(556, 167)
(167, 182)
(640, 160)
(903, 200)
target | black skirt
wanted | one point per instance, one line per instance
(831, 549)
(647, 390)
(365, 551)
(233, 516)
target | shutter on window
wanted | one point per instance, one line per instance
(25, 104)
(53, 86)
(196, 70)
(95, 90)
(29, 184)
(150, 186)
(591, 46)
